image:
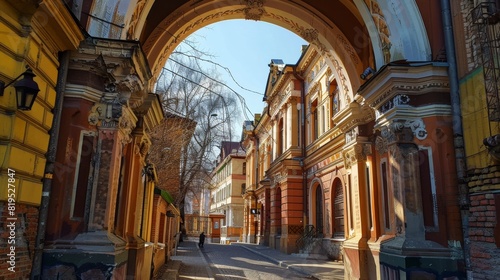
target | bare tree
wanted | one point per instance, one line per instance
(200, 114)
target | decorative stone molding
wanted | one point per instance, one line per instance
(143, 147)
(134, 20)
(354, 116)
(126, 125)
(394, 132)
(120, 64)
(254, 10)
(400, 99)
(113, 115)
(351, 135)
(382, 27)
(356, 153)
(417, 88)
(349, 49)
(381, 144)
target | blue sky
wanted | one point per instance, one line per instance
(246, 47)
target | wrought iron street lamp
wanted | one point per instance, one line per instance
(26, 90)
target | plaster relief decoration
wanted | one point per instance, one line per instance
(254, 9)
(351, 135)
(143, 147)
(139, 7)
(417, 126)
(357, 153)
(111, 113)
(398, 100)
(382, 28)
(381, 143)
(394, 132)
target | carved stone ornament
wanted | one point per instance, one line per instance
(126, 125)
(381, 145)
(144, 146)
(417, 126)
(394, 133)
(351, 135)
(357, 153)
(400, 99)
(254, 9)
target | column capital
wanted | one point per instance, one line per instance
(357, 152)
(399, 131)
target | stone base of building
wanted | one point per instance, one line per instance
(93, 255)
(419, 259)
(333, 249)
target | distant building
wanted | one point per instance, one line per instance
(228, 181)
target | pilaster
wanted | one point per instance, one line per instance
(355, 247)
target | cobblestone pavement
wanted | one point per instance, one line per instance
(244, 261)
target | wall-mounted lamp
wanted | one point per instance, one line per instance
(368, 71)
(254, 211)
(26, 90)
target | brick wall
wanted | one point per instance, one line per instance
(24, 234)
(484, 252)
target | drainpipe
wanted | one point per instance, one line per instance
(457, 131)
(303, 144)
(50, 165)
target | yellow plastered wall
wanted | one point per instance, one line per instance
(476, 125)
(25, 191)
(24, 135)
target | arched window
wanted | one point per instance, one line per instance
(338, 211)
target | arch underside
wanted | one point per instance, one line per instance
(353, 34)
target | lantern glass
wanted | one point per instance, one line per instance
(26, 91)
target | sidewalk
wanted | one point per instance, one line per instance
(194, 262)
(196, 266)
(315, 268)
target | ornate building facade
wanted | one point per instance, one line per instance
(227, 182)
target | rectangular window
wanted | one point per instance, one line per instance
(385, 190)
(351, 202)
(83, 172)
(299, 126)
(314, 120)
(428, 190)
(369, 196)
(161, 234)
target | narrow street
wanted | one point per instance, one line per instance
(244, 261)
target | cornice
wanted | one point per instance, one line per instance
(404, 79)
(81, 91)
(63, 28)
(353, 115)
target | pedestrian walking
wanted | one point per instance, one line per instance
(202, 239)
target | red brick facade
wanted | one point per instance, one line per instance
(24, 234)
(484, 226)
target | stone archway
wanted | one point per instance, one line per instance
(351, 34)
(354, 34)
